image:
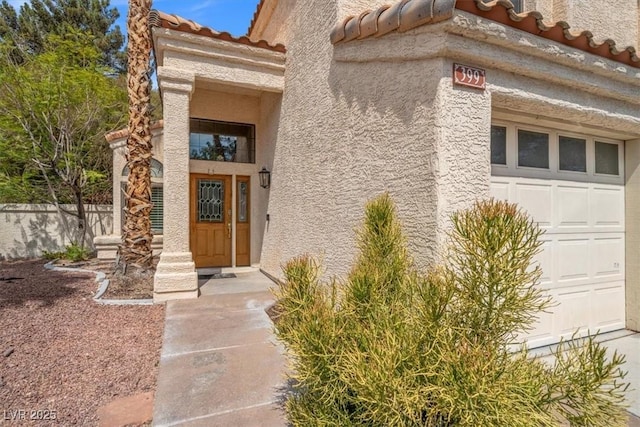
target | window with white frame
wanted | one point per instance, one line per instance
(157, 196)
(538, 152)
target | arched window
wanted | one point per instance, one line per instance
(157, 196)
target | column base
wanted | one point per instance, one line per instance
(176, 277)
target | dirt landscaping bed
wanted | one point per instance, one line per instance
(61, 353)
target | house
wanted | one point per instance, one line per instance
(438, 102)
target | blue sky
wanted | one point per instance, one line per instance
(233, 16)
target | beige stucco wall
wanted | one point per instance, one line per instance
(382, 115)
(351, 130)
(28, 230)
(618, 20)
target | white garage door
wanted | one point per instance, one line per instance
(573, 187)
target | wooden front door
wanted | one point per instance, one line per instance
(243, 225)
(211, 220)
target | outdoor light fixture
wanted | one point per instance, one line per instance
(265, 178)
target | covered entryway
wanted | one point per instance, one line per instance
(573, 186)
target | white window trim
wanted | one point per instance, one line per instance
(554, 172)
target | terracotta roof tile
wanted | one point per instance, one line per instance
(408, 14)
(175, 22)
(255, 16)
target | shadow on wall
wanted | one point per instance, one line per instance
(26, 231)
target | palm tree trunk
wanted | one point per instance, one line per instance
(136, 233)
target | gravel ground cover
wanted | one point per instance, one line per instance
(64, 356)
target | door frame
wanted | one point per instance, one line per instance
(234, 180)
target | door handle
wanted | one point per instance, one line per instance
(228, 230)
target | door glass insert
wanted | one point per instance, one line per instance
(210, 200)
(242, 202)
(607, 158)
(533, 149)
(573, 154)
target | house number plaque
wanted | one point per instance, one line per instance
(469, 76)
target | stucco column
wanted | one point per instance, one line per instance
(632, 233)
(176, 276)
(463, 137)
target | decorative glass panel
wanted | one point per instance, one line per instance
(210, 200)
(498, 145)
(573, 154)
(157, 209)
(243, 201)
(533, 149)
(607, 158)
(221, 141)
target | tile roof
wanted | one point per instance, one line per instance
(255, 16)
(175, 22)
(408, 14)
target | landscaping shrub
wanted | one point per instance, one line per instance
(72, 252)
(391, 346)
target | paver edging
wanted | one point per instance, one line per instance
(103, 285)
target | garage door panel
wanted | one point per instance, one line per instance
(572, 313)
(573, 260)
(500, 190)
(573, 207)
(608, 208)
(607, 257)
(541, 332)
(545, 260)
(537, 200)
(609, 312)
(583, 250)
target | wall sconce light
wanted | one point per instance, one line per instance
(265, 178)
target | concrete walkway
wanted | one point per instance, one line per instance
(221, 364)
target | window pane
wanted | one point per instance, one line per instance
(157, 209)
(607, 158)
(221, 141)
(573, 154)
(243, 201)
(533, 149)
(498, 145)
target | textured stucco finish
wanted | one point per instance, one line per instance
(28, 230)
(366, 128)
(382, 115)
(632, 220)
(220, 62)
(176, 276)
(607, 20)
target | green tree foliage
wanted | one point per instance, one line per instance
(30, 28)
(55, 108)
(393, 347)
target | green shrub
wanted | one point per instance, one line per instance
(75, 252)
(72, 252)
(390, 346)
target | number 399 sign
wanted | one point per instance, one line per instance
(469, 76)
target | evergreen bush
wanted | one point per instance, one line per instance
(391, 346)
